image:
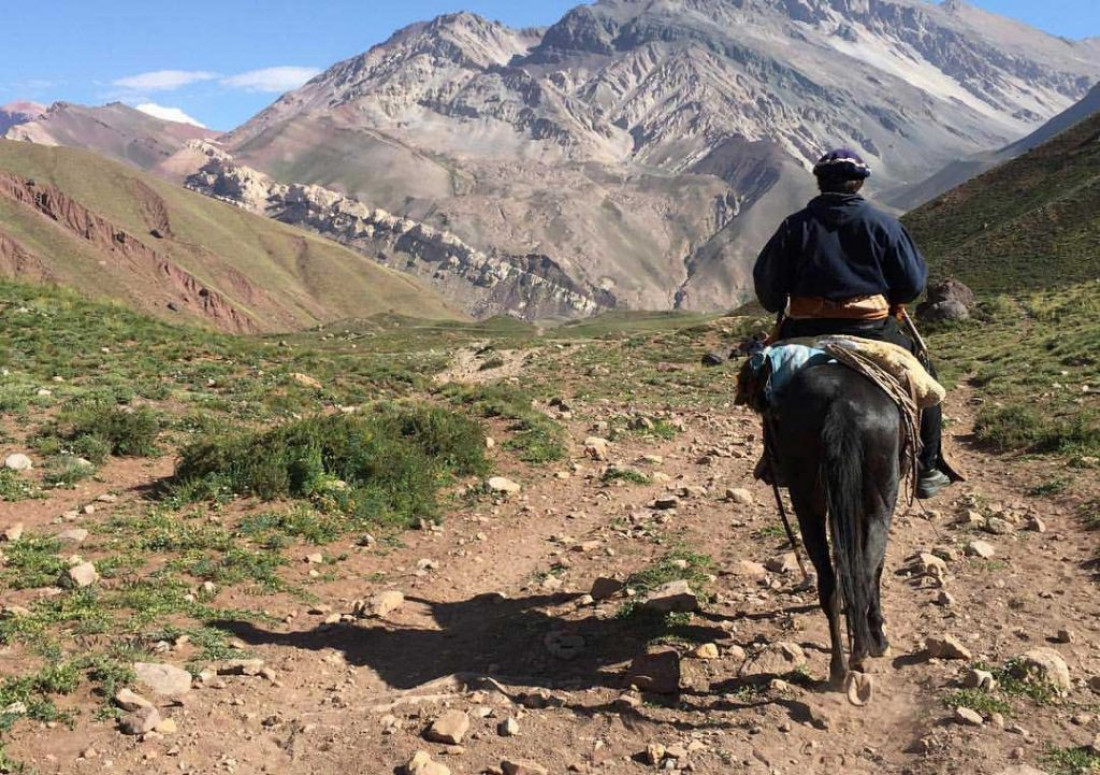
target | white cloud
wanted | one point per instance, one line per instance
(164, 80)
(271, 79)
(168, 114)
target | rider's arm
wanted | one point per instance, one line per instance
(771, 275)
(904, 268)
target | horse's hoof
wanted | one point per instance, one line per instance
(860, 688)
(808, 583)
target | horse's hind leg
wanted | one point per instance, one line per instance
(811, 519)
(877, 534)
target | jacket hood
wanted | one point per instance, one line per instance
(837, 209)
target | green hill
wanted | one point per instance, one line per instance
(72, 218)
(1032, 223)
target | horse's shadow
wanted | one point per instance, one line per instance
(485, 635)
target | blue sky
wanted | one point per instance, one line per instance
(221, 62)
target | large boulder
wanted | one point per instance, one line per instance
(949, 300)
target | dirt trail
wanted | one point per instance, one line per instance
(501, 581)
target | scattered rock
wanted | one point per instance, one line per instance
(931, 565)
(381, 605)
(74, 536)
(667, 503)
(740, 496)
(13, 533)
(947, 647)
(979, 679)
(968, 717)
(449, 728)
(1021, 769)
(307, 381)
(508, 728)
(606, 587)
(523, 767)
(504, 485)
(1036, 525)
(79, 576)
(654, 754)
(18, 462)
(949, 300)
(1065, 636)
(1046, 665)
(980, 549)
(596, 448)
(674, 597)
(163, 680)
(998, 526)
(131, 701)
(945, 599)
(707, 651)
(140, 722)
(421, 764)
(245, 667)
(657, 670)
(775, 659)
(748, 569)
(786, 563)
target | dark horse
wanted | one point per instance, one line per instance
(837, 440)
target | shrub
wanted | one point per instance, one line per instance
(94, 431)
(386, 466)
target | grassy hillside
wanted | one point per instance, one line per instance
(1033, 223)
(275, 276)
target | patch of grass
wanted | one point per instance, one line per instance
(536, 438)
(489, 364)
(1090, 513)
(32, 563)
(1071, 761)
(1016, 681)
(35, 693)
(674, 566)
(67, 470)
(1053, 487)
(96, 430)
(16, 487)
(385, 467)
(1018, 427)
(616, 474)
(978, 700)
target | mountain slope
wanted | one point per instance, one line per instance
(1031, 223)
(958, 172)
(116, 131)
(648, 148)
(20, 112)
(74, 218)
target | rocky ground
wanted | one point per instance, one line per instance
(517, 636)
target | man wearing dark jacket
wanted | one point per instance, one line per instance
(842, 267)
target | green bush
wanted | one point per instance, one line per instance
(387, 466)
(536, 439)
(96, 430)
(1021, 428)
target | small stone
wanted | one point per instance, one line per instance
(947, 647)
(163, 680)
(307, 381)
(980, 549)
(523, 767)
(749, 569)
(167, 727)
(13, 533)
(1045, 664)
(931, 565)
(596, 448)
(140, 722)
(131, 701)
(1065, 636)
(18, 462)
(315, 559)
(508, 728)
(740, 496)
(979, 679)
(605, 587)
(998, 526)
(80, 576)
(707, 651)
(968, 717)
(775, 659)
(667, 503)
(421, 764)
(786, 563)
(1036, 525)
(89, 753)
(654, 754)
(945, 599)
(500, 484)
(245, 667)
(656, 671)
(674, 597)
(381, 605)
(997, 720)
(74, 536)
(449, 728)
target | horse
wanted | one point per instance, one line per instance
(835, 438)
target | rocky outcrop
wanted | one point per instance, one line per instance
(71, 215)
(484, 284)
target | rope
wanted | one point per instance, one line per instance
(902, 395)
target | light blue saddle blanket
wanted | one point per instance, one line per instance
(785, 361)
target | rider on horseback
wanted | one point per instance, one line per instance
(842, 267)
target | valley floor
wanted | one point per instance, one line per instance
(496, 621)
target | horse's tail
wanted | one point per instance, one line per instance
(843, 477)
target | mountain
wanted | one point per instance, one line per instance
(74, 218)
(1030, 223)
(958, 172)
(648, 148)
(116, 131)
(19, 112)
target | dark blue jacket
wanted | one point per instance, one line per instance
(838, 248)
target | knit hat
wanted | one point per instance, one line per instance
(842, 164)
